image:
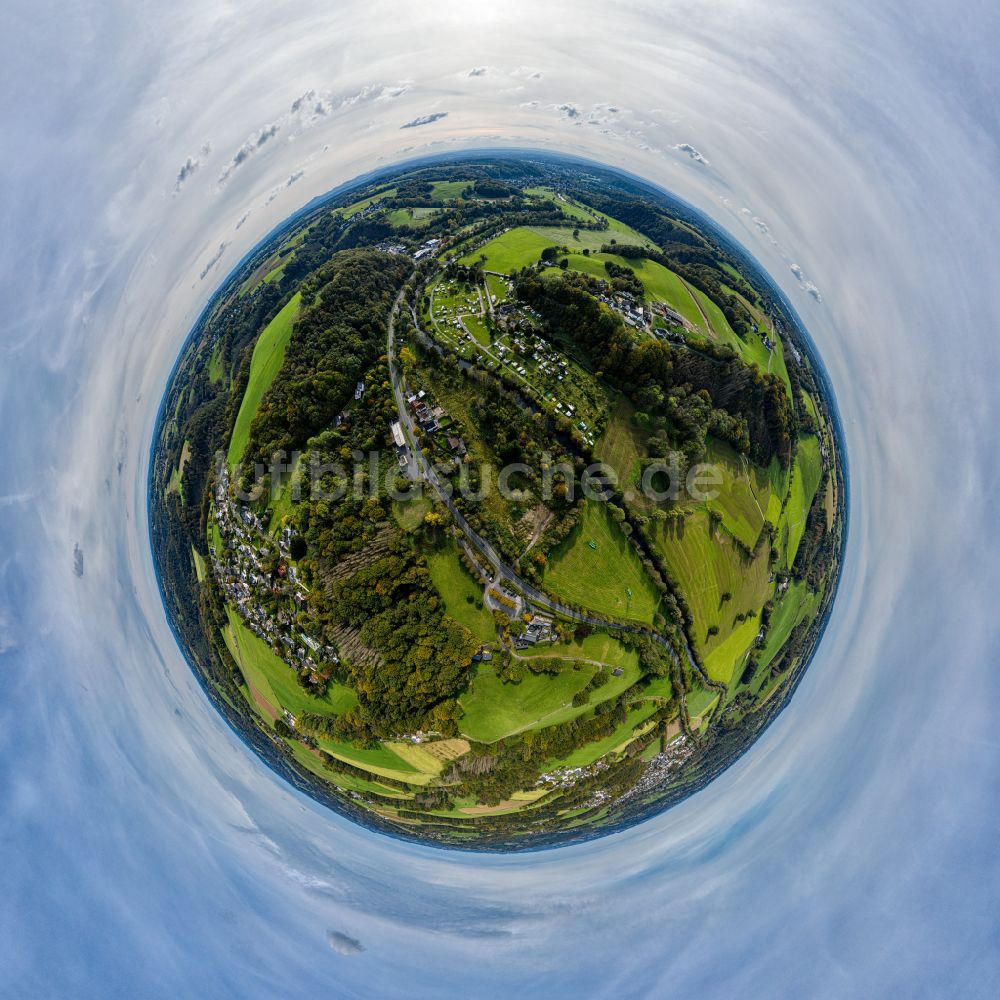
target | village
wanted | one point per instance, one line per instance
(249, 564)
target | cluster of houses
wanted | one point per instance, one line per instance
(539, 629)
(672, 316)
(661, 769)
(626, 306)
(431, 419)
(426, 249)
(241, 568)
(388, 246)
(567, 777)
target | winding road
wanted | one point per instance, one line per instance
(501, 571)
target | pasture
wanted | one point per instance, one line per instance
(448, 190)
(592, 239)
(456, 585)
(720, 663)
(706, 565)
(621, 445)
(701, 702)
(510, 252)
(619, 739)
(215, 364)
(493, 709)
(597, 568)
(380, 760)
(744, 495)
(268, 354)
(570, 209)
(805, 481)
(349, 782)
(797, 604)
(598, 646)
(662, 285)
(408, 217)
(360, 206)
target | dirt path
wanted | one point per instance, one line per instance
(263, 702)
(753, 492)
(537, 533)
(694, 298)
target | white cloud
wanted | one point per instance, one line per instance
(188, 167)
(686, 147)
(344, 944)
(213, 260)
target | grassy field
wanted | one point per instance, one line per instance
(359, 206)
(659, 687)
(275, 273)
(498, 288)
(587, 264)
(175, 485)
(808, 471)
(592, 239)
(407, 217)
(720, 663)
(810, 406)
(796, 604)
(510, 252)
(830, 502)
(268, 354)
(590, 752)
(199, 564)
(621, 446)
(456, 584)
(381, 761)
(662, 285)
(700, 702)
(215, 365)
(409, 515)
(707, 565)
(568, 208)
(494, 709)
(448, 190)
(477, 328)
(281, 503)
(275, 679)
(754, 349)
(744, 495)
(596, 567)
(417, 757)
(349, 782)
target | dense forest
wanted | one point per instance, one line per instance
(748, 407)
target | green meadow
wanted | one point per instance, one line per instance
(456, 586)
(268, 354)
(597, 568)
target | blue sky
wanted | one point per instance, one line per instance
(852, 147)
